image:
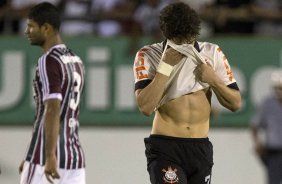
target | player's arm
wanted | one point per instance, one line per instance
(50, 73)
(259, 148)
(148, 98)
(221, 80)
(228, 97)
(257, 126)
(51, 128)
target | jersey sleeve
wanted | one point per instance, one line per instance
(223, 68)
(143, 71)
(51, 78)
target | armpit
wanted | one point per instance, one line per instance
(142, 84)
(234, 86)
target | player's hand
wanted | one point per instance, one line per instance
(172, 57)
(21, 167)
(205, 73)
(51, 171)
(260, 150)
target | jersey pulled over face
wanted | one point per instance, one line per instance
(59, 75)
(182, 80)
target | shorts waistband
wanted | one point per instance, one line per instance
(206, 139)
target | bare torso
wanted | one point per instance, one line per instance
(186, 116)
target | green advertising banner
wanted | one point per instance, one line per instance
(108, 98)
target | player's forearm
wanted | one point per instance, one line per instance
(51, 128)
(149, 97)
(254, 132)
(51, 136)
(227, 97)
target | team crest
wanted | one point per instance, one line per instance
(170, 175)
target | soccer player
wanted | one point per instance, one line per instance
(267, 121)
(55, 154)
(175, 79)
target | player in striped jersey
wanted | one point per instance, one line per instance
(175, 79)
(55, 154)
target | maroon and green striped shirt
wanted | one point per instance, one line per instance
(59, 75)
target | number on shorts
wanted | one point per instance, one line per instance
(208, 179)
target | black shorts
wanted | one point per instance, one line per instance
(179, 160)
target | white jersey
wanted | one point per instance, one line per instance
(182, 80)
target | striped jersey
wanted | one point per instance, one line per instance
(59, 75)
(182, 79)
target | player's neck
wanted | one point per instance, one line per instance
(51, 42)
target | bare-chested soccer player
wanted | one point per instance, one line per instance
(175, 79)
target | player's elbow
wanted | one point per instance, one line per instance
(145, 109)
(146, 113)
(236, 106)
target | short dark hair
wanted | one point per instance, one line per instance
(179, 20)
(45, 12)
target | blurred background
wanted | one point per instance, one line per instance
(106, 34)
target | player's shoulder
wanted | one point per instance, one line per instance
(155, 48)
(55, 53)
(59, 50)
(52, 56)
(208, 46)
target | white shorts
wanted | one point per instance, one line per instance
(34, 174)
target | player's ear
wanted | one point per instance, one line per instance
(47, 27)
(44, 26)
